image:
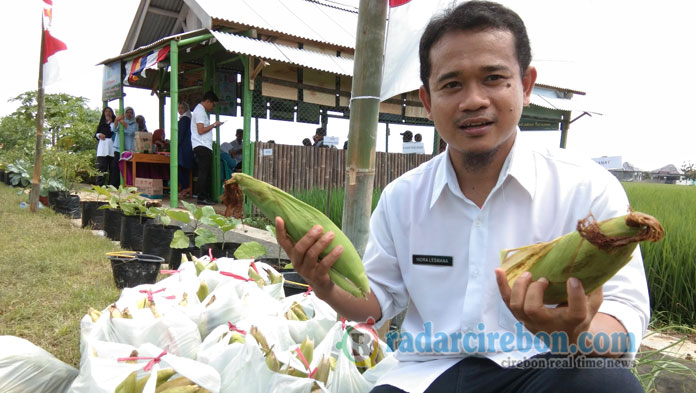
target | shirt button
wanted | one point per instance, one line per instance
(477, 223)
(474, 273)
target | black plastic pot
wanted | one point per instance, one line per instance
(276, 263)
(156, 239)
(191, 251)
(135, 269)
(92, 216)
(294, 283)
(219, 250)
(53, 197)
(3, 175)
(132, 232)
(112, 223)
(68, 205)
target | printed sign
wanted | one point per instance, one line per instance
(267, 152)
(413, 147)
(111, 82)
(331, 140)
(613, 162)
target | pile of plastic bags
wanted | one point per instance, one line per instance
(223, 326)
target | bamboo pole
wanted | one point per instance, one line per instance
(365, 91)
(174, 121)
(38, 147)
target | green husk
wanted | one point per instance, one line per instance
(594, 253)
(348, 271)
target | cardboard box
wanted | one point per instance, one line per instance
(143, 142)
(150, 188)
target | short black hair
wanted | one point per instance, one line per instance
(476, 16)
(210, 96)
(320, 131)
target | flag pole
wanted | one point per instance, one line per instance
(364, 116)
(38, 148)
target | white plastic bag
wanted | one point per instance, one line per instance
(173, 331)
(108, 364)
(25, 367)
(322, 317)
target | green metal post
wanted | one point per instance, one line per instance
(247, 152)
(364, 116)
(174, 121)
(121, 135)
(565, 125)
(208, 84)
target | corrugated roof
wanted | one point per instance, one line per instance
(276, 52)
(559, 104)
(304, 19)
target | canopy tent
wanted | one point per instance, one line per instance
(293, 65)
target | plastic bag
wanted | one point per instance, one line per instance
(108, 364)
(172, 331)
(322, 317)
(25, 367)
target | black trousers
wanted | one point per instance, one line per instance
(114, 172)
(104, 167)
(204, 158)
(475, 374)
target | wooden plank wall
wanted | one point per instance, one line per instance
(304, 168)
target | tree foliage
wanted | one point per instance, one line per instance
(69, 124)
(689, 170)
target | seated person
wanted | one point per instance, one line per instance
(159, 143)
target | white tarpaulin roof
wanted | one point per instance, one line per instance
(300, 18)
(276, 52)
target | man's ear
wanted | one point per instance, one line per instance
(528, 81)
(425, 99)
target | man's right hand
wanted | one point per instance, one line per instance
(304, 256)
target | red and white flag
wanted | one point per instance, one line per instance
(407, 20)
(51, 46)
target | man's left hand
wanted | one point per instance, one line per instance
(525, 301)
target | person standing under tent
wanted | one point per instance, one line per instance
(202, 144)
(105, 146)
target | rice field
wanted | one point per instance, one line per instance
(670, 264)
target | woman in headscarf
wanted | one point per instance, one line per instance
(130, 127)
(105, 146)
(185, 149)
(140, 119)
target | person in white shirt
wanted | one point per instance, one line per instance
(202, 144)
(105, 148)
(437, 232)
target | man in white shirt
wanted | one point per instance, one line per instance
(202, 144)
(437, 232)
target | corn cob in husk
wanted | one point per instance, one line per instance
(348, 271)
(594, 253)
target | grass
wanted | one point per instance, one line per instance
(652, 366)
(50, 273)
(670, 264)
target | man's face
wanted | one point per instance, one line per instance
(239, 136)
(476, 94)
(208, 105)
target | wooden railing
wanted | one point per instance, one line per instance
(304, 167)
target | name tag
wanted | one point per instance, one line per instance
(436, 260)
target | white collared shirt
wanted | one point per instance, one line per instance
(540, 195)
(199, 115)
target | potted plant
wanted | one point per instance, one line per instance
(20, 173)
(112, 211)
(206, 239)
(71, 167)
(92, 216)
(158, 233)
(135, 216)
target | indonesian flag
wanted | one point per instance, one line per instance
(52, 45)
(407, 20)
(135, 67)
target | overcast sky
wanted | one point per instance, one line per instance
(635, 60)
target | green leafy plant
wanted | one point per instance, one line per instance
(203, 216)
(116, 196)
(20, 173)
(249, 250)
(194, 220)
